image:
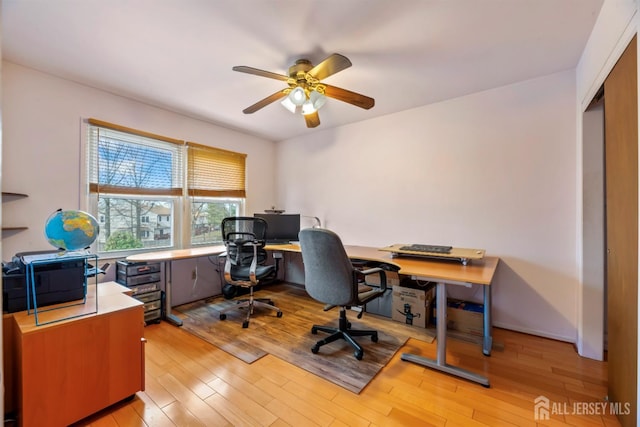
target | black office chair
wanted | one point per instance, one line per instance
(331, 278)
(244, 239)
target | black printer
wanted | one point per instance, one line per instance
(55, 282)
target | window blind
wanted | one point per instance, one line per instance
(213, 172)
(131, 162)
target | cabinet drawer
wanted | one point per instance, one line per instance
(152, 305)
(135, 269)
(138, 280)
(152, 316)
(148, 296)
(147, 287)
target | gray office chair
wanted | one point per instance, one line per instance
(331, 278)
(244, 240)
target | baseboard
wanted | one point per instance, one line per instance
(535, 332)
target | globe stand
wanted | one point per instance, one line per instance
(62, 311)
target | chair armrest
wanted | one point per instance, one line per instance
(383, 275)
(252, 268)
(254, 262)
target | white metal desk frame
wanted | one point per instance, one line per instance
(440, 363)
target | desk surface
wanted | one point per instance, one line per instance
(479, 271)
(177, 254)
(111, 297)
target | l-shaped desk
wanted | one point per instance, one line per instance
(441, 272)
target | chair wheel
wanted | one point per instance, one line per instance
(374, 338)
(245, 324)
(358, 354)
(348, 325)
(279, 314)
(315, 349)
(223, 316)
(314, 331)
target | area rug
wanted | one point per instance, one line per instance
(290, 338)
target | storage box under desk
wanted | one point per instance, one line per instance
(144, 280)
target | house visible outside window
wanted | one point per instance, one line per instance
(154, 192)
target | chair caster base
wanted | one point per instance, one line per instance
(245, 324)
(279, 314)
(223, 316)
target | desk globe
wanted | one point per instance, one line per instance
(71, 230)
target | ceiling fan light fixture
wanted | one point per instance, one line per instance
(289, 105)
(297, 96)
(317, 99)
(308, 108)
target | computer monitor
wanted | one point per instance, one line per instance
(281, 228)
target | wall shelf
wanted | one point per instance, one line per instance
(9, 196)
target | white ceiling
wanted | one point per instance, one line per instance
(178, 54)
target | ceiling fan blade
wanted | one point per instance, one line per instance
(257, 72)
(349, 97)
(330, 66)
(312, 119)
(264, 102)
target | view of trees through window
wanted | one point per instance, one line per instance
(206, 217)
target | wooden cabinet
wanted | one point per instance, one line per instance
(70, 369)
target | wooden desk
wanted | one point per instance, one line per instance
(72, 368)
(441, 272)
(166, 257)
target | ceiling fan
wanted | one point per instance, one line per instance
(305, 91)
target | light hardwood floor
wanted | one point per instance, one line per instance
(192, 383)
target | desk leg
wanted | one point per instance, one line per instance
(487, 341)
(440, 364)
(169, 316)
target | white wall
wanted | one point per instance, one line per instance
(493, 170)
(42, 145)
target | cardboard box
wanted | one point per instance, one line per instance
(464, 316)
(411, 306)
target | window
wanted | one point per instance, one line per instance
(146, 189)
(216, 186)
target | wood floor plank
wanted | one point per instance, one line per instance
(240, 412)
(191, 401)
(345, 415)
(305, 406)
(181, 416)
